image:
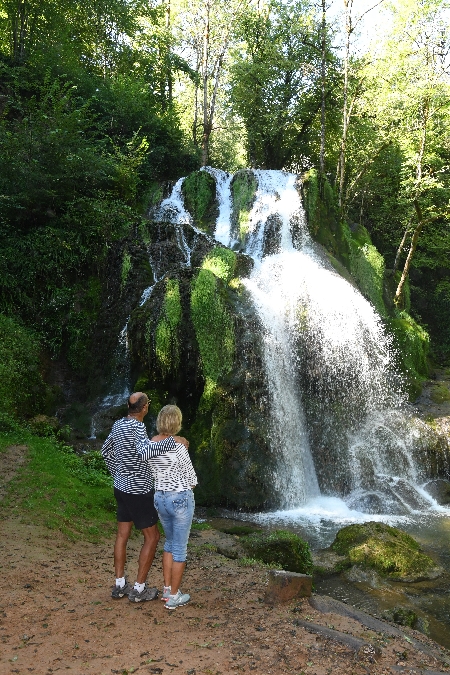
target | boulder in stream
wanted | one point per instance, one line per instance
(389, 551)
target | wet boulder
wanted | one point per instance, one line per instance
(389, 551)
(439, 489)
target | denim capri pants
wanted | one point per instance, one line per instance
(175, 511)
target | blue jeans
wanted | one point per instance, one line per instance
(175, 510)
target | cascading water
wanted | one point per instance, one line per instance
(336, 401)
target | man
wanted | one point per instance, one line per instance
(133, 490)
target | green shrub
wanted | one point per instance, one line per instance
(282, 548)
(22, 389)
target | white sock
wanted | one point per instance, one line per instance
(139, 587)
(120, 582)
(167, 588)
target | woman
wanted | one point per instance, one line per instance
(174, 500)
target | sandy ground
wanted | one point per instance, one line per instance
(56, 614)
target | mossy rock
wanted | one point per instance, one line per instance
(440, 393)
(285, 549)
(243, 190)
(391, 552)
(199, 192)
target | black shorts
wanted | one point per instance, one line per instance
(137, 508)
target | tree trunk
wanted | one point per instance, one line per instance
(323, 81)
(401, 246)
(341, 164)
(168, 62)
(412, 248)
(206, 125)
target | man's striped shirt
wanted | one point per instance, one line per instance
(124, 451)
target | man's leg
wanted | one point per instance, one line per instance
(120, 548)
(151, 538)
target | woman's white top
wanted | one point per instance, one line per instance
(173, 471)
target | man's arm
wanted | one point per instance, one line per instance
(109, 455)
(148, 449)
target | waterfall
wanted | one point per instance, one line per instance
(338, 412)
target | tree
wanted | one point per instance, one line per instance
(277, 81)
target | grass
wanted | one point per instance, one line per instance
(56, 489)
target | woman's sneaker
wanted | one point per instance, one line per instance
(144, 595)
(119, 592)
(177, 600)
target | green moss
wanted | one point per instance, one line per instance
(239, 530)
(213, 327)
(413, 343)
(243, 189)
(285, 549)
(386, 549)
(440, 393)
(167, 341)
(125, 270)
(221, 262)
(323, 216)
(366, 266)
(199, 191)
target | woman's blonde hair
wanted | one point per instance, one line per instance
(169, 420)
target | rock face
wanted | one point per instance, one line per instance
(196, 342)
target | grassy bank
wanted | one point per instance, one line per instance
(58, 489)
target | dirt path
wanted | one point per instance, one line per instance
(56, 614)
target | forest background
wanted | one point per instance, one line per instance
(102, 101)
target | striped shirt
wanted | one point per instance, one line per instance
(173, 471)
(126, 452)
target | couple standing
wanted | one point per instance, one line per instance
(136, 463)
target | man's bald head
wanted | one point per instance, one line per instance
(137, 402)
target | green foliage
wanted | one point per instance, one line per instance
(285, 549)
(213, 326)
(243, 189)
(167, 340)
(201, 526)
(386, 549)
(199, 190)
(275, 83)
(22, 390)
(61, 490)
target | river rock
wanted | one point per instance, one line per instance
(439, 489)
(387, 550)
(284, 586)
